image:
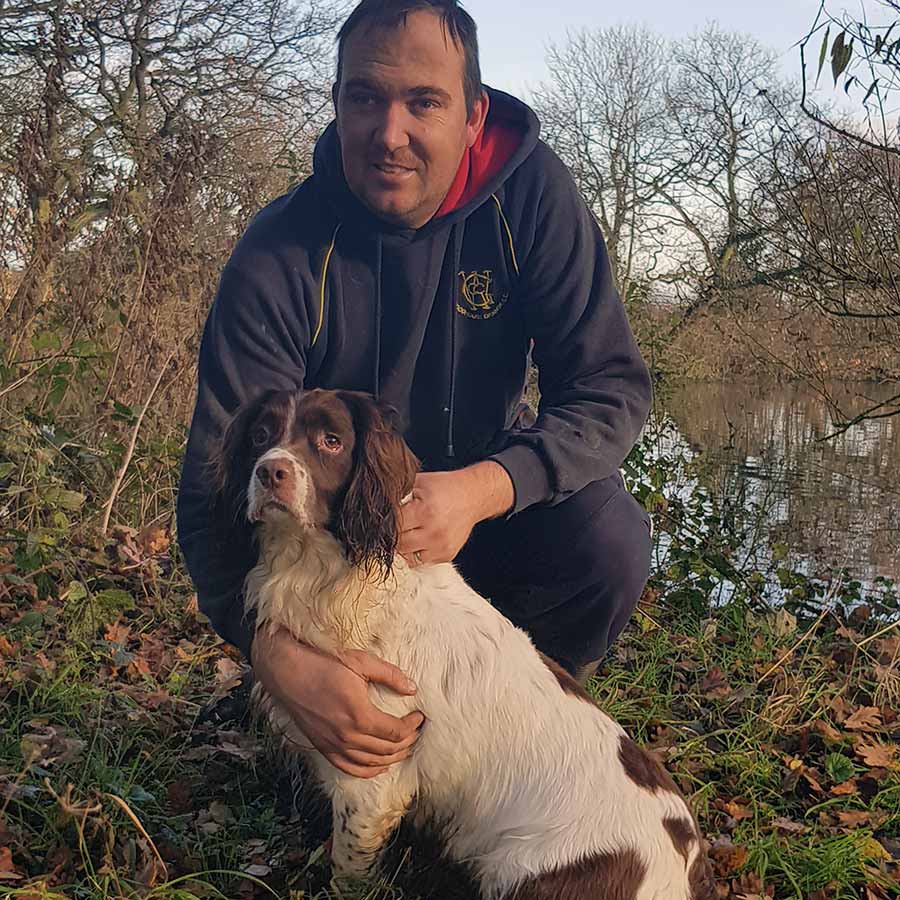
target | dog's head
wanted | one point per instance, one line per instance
(319, 460)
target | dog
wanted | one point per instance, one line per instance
(524, 778)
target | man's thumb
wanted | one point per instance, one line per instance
(381, 672)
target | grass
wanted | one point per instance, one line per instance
(125, 774)
(757, 715)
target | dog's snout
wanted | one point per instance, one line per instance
(276, 475)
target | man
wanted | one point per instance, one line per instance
(436, 244)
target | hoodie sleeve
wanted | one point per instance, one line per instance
(595, 387)
(254, 341)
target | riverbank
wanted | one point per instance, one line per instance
(763, 338)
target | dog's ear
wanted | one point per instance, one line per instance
(384, 470)
(228, 464)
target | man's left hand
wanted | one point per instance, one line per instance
(446, 506)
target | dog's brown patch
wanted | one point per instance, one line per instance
(701, 880)
(607, 876)
(682, 833)
(566, 681)
(644, 769)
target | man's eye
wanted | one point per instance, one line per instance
(259, 436)
(331, 442)
(428, 104)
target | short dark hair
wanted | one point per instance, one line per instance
(392, 13)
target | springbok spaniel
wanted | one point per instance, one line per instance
(527, 781)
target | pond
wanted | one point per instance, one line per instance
(834, 503)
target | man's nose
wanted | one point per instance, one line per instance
(391, 132)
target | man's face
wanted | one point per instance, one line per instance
(401, 117)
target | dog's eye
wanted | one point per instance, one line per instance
(259, 436)
(331, 442)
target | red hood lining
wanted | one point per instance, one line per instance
(481, 162)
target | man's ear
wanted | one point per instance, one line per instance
(384, 471)
(477, 118)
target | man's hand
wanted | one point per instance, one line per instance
(446, 506)
(328, 699)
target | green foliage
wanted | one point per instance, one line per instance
(725, 670)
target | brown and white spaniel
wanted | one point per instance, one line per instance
(528, 782)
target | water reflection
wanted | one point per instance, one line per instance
(833, 503)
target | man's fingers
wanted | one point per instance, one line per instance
(339, 761)
(413, 515)
(378, 746)
(395, 730)
(412, 539)
(357, 757)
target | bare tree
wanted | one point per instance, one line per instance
(121, 95)
(603, 112)
(722, 132)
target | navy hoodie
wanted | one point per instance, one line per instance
(439, 322)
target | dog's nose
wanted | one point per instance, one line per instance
(276, 475)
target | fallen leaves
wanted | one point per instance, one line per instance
(715, 685)
(727, 858)
(8, 869)
(876, 754)
(48, 745)
(866, 718)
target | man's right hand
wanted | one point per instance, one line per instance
(328, 698)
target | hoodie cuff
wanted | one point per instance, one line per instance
(529, 476)
(236, 627)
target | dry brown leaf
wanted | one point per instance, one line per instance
(715, 685)
(840, 708)
(854, 818)
(154, 540)
(728, 859)
(7, 647)
(846, 788)
(8, 870)
(876, 755)
(117, 633)
(875, 892)
(866, 718)
(140, 664)
(829, 732)
(736, 810)
(789, 826)
(47, 664)
(226, 668)
(783, 623)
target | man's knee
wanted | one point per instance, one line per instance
(607, 567)
(613, 546)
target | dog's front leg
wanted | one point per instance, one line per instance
(366, 812)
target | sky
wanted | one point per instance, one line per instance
(513, 34)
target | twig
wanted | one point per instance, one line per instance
(790, 652)
(20, 381)
(137, 824)
(120, 475)
(879, 633)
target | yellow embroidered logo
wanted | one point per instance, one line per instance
(478, 301)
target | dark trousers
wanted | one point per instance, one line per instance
(570, 575)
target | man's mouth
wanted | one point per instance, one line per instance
(393, 170)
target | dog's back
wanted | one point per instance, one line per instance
(519, 769)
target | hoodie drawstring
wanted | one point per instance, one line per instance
(376, 375)
(456, 239)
